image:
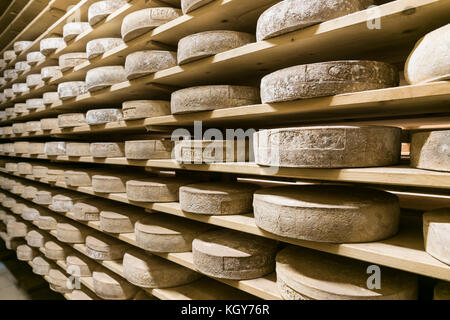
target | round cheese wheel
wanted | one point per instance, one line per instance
(18, 207)
(18, 128)
(7, 131)
(30, 213)
(139, 109)
(48, 222)
(32, 126)
(21, 46)
(19, 88)
(109, 184)
(89, 209)
(9, 55)
(36, 238)
(11, 167)
(33, 104)
(107, 149)
(442, 291)
(110, 286)
(66, 202)
(71, 233)
(9, 74)
(35, 148)
(142, 63)
(98, 47)
(21, 147)
(49, 98)
(102, 247)
(206, 98)
(190, 5)
(139, 22)
(29, 192)
(16, 229)
(18, 189)
(72, 29)
(346, 215)
(22, 66)
(77, 178)
(304, 274)
(50, 45)
(55, 251)
(115, 221)
(70, 60)
(102, 116)
(78, 149)
(26, 253)
(41, 266)
(73, 89)
(148, 149)
(436, 233)
(71, 120)
(39, 171)
(102, 9)
(33, 58)
(24, 168)
(79, 266)
(48, 73)
(43, 197)
(20, 107)
(230, 254)
(49, 123)
(431, 150)
(9, 94)
(155, 189)
(58, 281)
(328, 146)
(104, 77)
(55, 148)
(210, 151)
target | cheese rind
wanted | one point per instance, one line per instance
(48, 73)
(78, 149)
(104, 77)
(108, 285)
(70, 90)
(9, 55)
(49, 123)
(107, 149)
(190, 5)
(70, 60)
(22, 66)
(73, 29)
(102, 116)
(97, 47)
(71, 120)
(34, 80)
(35, 57)
(211, 151)
(101, 247)
(431, 150)
(139, 109)
(142, 63)
(155, 189)
(35, 103)
(50, 45)
(148, 149)
(102, 9)
(20, 46)
(55, 148)
(71, 233)
(436, 234)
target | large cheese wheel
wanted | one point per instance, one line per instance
(35, 103)
(120, 220)
(39, 171)
(16, 229)
(108, 285)
(49, 98)
(148, 271)
(290, 15)
(21, 46)
(305, 274)
(208, 43)
(59, 282)
(11, 167)
(41, 266)
(347, 214)
(107, 149)
(65, 202)
(142, 63)
(104, 77)
(8, 147)
(442, 291)
(73, 29)
(49, 123)
(18, 207)
(18, 189)
(327, 79)
(210, 151)
(78, 149)
(55, 251)
(36, 238)
(80, 266)
(30, 213)
(70, 60)
(155, 189)
(142, 21)
(71, 233)
(436, 234)
(102, 9)
(205, 98)
(29, 192)
(230, 254)
(328, 146)
(109, 184)
(35, 57)
(21, 146)
(139, 109)
(430, 58)
(9, 55)
(190, 5)
(43, 197)
(26, 253)
(148, 149)
(163, 233)
(19, 88)
(89, 209)
(431, 150)
(102, 247)
(48, 73)
(97, 47)
(18, 128)
(48, 222)
(102, 116)
(72, 89)
(55, 148)
(24, 168)
(34, 80)
(71, 120)
(35, 148)
(9, 74)
(50, 45)
(32, 126)
(78, 178)
(22, 66)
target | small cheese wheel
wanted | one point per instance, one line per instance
(22, 66)
(21, 46)
(33, 104)
(9, 74)
(191, 5)
(19, 88)
(26, 253)
(104, 77)
(442, 291)
(110, 286)
(11, 167)
(35, 148)
(49, 123)
(113, 221)
(49, 98)
(89, 209)
(72, 29)
(210, 151)
(155, 189)
(431, 150)
(149, 149)
(205, 98)
(20, 107)
(102, 9)
(59, 281)
(29, 192)
(18, 128)
(55, 251)
(48, 73)
(109, 184)
(305, 274)
(55, 148)
(71, 233)
(48, 222)
(32, 126)
(43, 197)
(24, 168)
(142, 63)
(78, 149)
(41, 266)
(9, 55)
(16, 229)
(102, 116)
(436, 234)
(72, 89)
(139, 109)
(97, 47)
(9, 94)
(65, 202)
(21, 146)
(430, 59)
(235, 255)
(39, 171)
(150, 271)
(33, 58)
(163, 233)
(79, 266)
(71, 120)
(30, 213)
(328, 147)
(346, 215)
(36, 238)
(49, 45)
(18, 189)
(139, 22)
(18, 207)
(107, 149)
(70, 60)
(327, 79)
(78, 178)
(101, 247)
(217, 198)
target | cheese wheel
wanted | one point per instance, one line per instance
(29, 192)
(72, 29)
(43, 197)
(217, 198)
(73, 89)
(10, 112)
(21, 46)
(431, 150)
(19, 88)
(101, 247)
(142, 63)
(148, 149)
(49, 45)
(291, 15)
(36, 238)
(79, 266)
(102, 9)
(65, 202)
(89, 209)
(30, 213)
(327, 79)
(32, 126)
(139, 22)
(436, 227)
(48, 73)
(59, 282)
(49, 123)
(163, 233)
(70, 60)
(26, 253)
(71, 233)
(328, 147)
(33, 58)
(109, 184)
(78, 178)
(98, 47)
(22, 66)
(55, 251)
(78, 149)
(21, 146)
(36, 103)
(9, 55)
(210, 151)
(24, 168)
(108, 285)
(190, 5)
(16, 229)
(442, 291)
(107, 149)
(155, 189)
(139, 109)
(18, 207)
(305, 274)
(113, 221)
(235, 255)
(205, 98)
(9, 94)
(104, 77)
(13, 243)
(8, 147)
(18, 128)
(35, 148)
(149, 271)
(55, 148)
(11, 167)
(41, 266)
(18, 189)
(9, 74)
(39, 171)
(71, 120)
(430, 59)
(102, 116)
(48, 222)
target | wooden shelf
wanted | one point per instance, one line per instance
(11, 11)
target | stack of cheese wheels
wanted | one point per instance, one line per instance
(35, 57)
(48, 73)
(71, 120)
(97, 47)
(305, 274)
(55, 251)
(210, 151)
(230, 254)
(162, 233)
(70, 60)
(104, 77)
(155, 189)
(78, 149)
(72, 89)
(347, 214)
(89, 209)
(108, 285)
(148, 271)
(142, 63)
(120, 220)
(35, 103)
(102, 9)
(59, 281)
(72, 29)
(102, 116)
(55, 148)
(41, 266)
(431, 150)
(80, 266)
(328, 146)
(26, 253)
(107, 149)
(71, 232)
(50, 45)
(436, 234)
(442, 291)
(148, 149)
(102, 247)
(21, 46)
(190, 5)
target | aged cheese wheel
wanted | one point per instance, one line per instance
(430, 59)
(97, 47)
(24, 168)
(70, 60)
(43, 197)
(59, 281)
(142, 63)
(104, 77)
(102, 9)
(18, 128)
(72, 29)
(9, 55)
(21, 146)
(55, 251)
(101, 247)
(79, 266)
(431, 150)
(78, 178)
(32, 126)
(204, 44)
(442, 291)
(48, 222)
(436, 234)
(230, 254)
(35, 57)
(205, 98)
(148, 271)
(139, 22)
(30, 213)
(26, 253)
(17, 229)
(163, 233)
(71, 120)
(139, 109)
(39, 171)
(107, 149)
(78, 149)
(49, 98)
(72, 89)
(18, 207)
(20, 46)
(89, 209)
(210, 151)
(191, 5)
(19, 88)
(34, 80)
(10, 111)
(29, 192)
(148, 149)
(55, 148)
(21, 67)
(346, 215)
(50, 45)
(66, 202)
(8, 219)
(48, 73)
(36, 238)
(36, 148)
(33, 104)
(217, 198)
(8, 147)
(9, 74)
(41, 266)
(18, 188)
(71, 233)
(108, 285)
(121, 220)
(49, 123)
(102, 116)
(155, 189)
(305, 274)
(109, 184)
(328, 146)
